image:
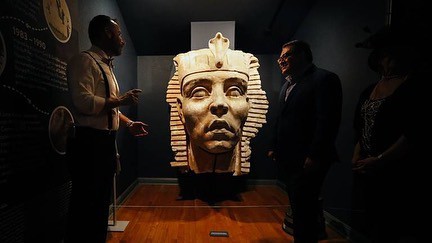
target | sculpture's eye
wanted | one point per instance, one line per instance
(199, 92)
(234, 91)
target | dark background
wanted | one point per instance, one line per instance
(34, 199)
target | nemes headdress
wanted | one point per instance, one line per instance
(218, 57)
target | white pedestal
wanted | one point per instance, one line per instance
(116, 225)
(119, 226)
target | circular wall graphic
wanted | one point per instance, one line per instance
(58, 19)
(60, 121)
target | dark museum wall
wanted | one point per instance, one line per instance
(35, 45)
(154, 153)
(34, 182)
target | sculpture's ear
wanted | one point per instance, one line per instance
(180, 110)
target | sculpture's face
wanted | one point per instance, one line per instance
(213, 107)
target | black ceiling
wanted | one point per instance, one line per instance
(162, 27)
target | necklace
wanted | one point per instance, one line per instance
(396, 76)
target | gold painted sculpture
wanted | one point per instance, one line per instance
(217, 105)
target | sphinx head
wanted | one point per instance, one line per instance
(212, 104)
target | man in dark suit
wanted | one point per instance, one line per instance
(307, 124)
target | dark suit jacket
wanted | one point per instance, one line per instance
(308, 122)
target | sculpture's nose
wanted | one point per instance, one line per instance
(219, 107)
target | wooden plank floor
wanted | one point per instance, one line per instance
(155, 215)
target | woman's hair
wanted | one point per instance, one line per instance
(401, 55)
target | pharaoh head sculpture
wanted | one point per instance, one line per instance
(217, 106)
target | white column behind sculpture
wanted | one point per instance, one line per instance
(202, 32)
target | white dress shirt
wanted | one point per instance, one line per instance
(87, 89)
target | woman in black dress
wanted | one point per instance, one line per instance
(382, 158)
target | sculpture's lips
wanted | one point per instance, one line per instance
(220, 126)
